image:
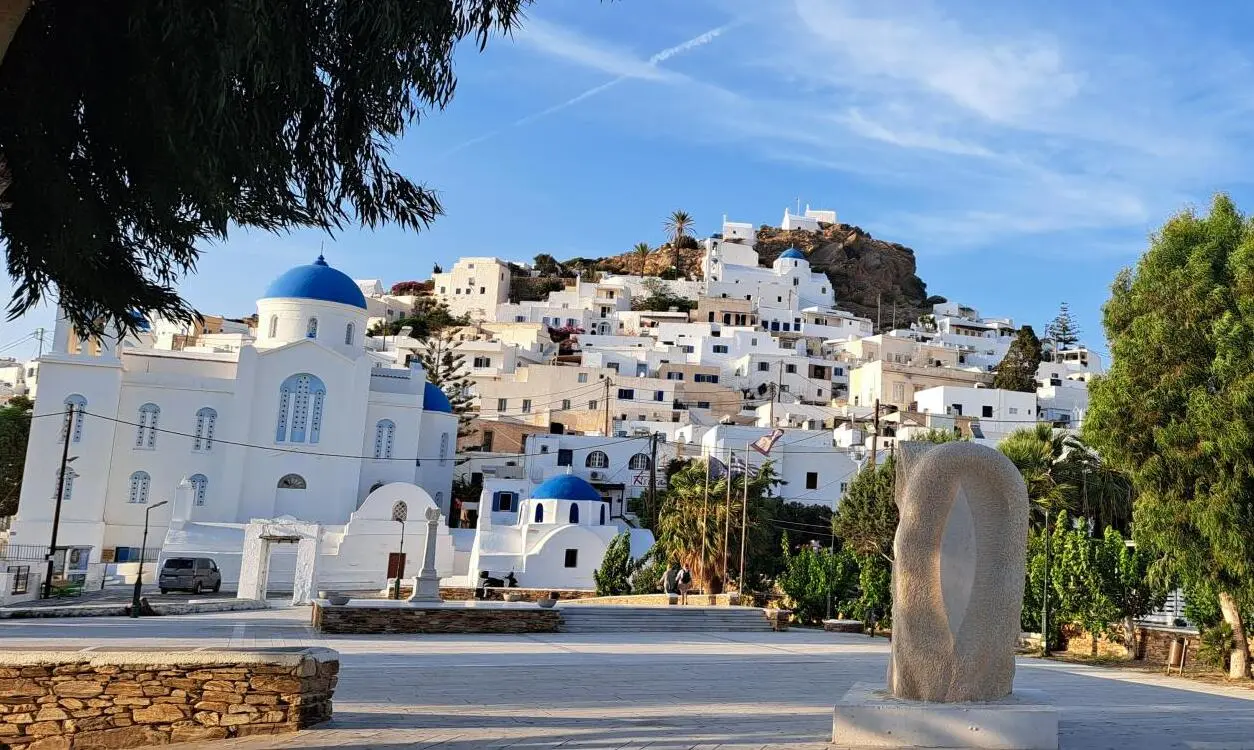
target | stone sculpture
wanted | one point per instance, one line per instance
(427, 582)
(958, 573)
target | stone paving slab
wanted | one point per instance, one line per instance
(631, 690)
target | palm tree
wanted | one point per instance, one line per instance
(1101, 493)
(1037, 452)
(677, 225)
(642, 252)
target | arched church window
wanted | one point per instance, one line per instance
(311, 330)
(597, 460)
(206, 422)
(384, 435)
(291, 482)
(439, 499)
(79, 403)
(602, 514)
(274, 326)
(539, 512)
(301, 400)
(574, 513)
(146, 428)
(638, 462)
(443, 448)
(139, 488)
(67, 490)
(348, 335)
(200, 486)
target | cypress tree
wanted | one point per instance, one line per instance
(1017, 371)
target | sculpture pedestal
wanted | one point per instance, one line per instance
(426, 589)
(870, 717)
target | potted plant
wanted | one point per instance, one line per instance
(548, 601)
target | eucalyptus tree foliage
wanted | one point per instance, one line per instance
(134, 133)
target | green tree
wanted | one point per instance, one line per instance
(1017, 370)
(1128, 583)
(429, 317)
(691, 521)
(866, 520)
(613, 578)
(1081, 579)
(447, 370)
(15, 419)
(1063, 332)
(677, 226)
(1037, 452)
(546, 265)
(811, 575)
(1173, 411)
(1098, 491)
(642, 252)
(133, 134)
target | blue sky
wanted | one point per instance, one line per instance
(1025, 151)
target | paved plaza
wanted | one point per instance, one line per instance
(632, 690)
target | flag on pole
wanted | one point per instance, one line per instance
(765, 443)
(717, 469)
(738, 466)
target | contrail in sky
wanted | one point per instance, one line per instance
(657, 59)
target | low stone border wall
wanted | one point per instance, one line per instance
(120, 609)
(660, 600)
(72, 700)
(463, 594)
(362, 619)
(1153, 644)
(844, 626)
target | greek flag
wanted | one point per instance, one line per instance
(716, 468)
(738, 466)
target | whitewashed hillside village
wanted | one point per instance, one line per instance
(308, 420)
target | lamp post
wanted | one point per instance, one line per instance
(1045, 590)
(143, 548)
(400, 514)
(56, 514)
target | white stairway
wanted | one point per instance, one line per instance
(600, 619)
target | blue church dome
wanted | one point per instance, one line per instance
(433, 399)
(317, 281)
(792, 253)
(565, 487)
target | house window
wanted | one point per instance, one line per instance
(565, 457)
(796, 281)
(720, 348)
(602, 514)
(487, 440)
(790, 369)
(274, 326)
(206, 421)
(986, 411)
(572, 558)
(592, 404)
(565, 404)
(659, 395)
(483, 362)
(80, 405)
(639, 462)
(301, 402)
(899, 392)
(526, 406)
(311, 330)
(139, 488)
(291, 482)
(699, 378)
(703, 404)
(812, 480)
(613, 366)
(539, 516)
(483, 290)
(688, 349)
(581, 377)
(505, 502)
(597, 460)
(1014, 410)
(520, 318)
(764, 367)
(502, 404)
(574, 513)
(627, 394)
(384, 434)
(674, 376)
(838, 371)
(641, 370)
(200, 485)
(348, 334)
(146, 432)
(844, 487)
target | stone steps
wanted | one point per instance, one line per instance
(589, 619)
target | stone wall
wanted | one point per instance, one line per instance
(1152, 643)
(462, 594)
(362, 618)
(655, 600)
(72, 700)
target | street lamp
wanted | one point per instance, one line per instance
(400, 514)
(143, 547)
(56, 514)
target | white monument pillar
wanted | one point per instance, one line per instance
(254, 567)
(427, 582)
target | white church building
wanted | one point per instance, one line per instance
(296, 421)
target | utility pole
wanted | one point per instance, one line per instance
(731, 458)
(607, 407)
(39, 334)
(705, 507)
(875, 434)
(1045, 590)
(879, 317)
(56, 513)
(744, 522)
(653, 509)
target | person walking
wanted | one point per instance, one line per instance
(684, 581)
(670, 583)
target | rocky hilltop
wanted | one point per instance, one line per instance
(862, 269)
